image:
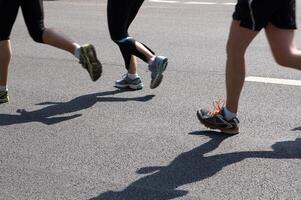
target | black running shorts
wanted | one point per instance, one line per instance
(33, 15)
(256, 14)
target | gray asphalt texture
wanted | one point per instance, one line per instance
(63, 136)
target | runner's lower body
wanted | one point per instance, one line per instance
(121, 14)
(33, 14)
(278, 18)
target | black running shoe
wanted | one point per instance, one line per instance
(126, 82)
(216, 120)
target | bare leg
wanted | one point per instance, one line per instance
(238, 41)
(133, 65)
(144, 51)
(52, 38)
(86, 53)
(283, 47)
(5, 56)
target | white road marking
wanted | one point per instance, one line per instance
(229, 4)
(273, 80)
(163, 1)
(193, 2)
(200, 3)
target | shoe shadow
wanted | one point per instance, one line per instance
(48, 115)
(193, 166)
(297, 129)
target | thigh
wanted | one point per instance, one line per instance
(33, 13)
(8, 13)
(133, 11)
(118, 14)
(281, 40)
(239, 39)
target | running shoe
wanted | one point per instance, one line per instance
(88, 59)
(4, 98)
(126, 82)
(157, 68)
(216, 120)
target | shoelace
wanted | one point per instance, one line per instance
(124, 76)
(83, 62)
(217, 105)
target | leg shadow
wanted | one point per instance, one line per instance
(192, 166)
(48, 114)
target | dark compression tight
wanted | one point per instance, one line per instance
(121, 14)
(33, 15)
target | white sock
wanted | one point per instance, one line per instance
(151, 60)
(77, 52)
(132, 76)
(3, 88)
(228, 114)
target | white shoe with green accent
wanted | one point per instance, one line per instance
(88, 59)
(4, 98)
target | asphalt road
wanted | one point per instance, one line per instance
(63, 136)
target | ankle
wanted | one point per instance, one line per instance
(3, 88)
(132, 76)
(151, 60)
(228, 114)
(77, 52)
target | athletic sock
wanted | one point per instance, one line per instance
(228, 114)
(151, 60)
(132, 76)
(77, 52)
(3, 88)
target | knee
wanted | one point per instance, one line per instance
(37, 34)
(281, 61)
(115, 37)
(284, 58)
(126, 42)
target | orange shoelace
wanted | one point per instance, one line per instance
(217, 105)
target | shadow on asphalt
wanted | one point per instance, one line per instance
(297, 129)
(47, 114)
(193, 166)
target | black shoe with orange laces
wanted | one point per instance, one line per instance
(216, 120)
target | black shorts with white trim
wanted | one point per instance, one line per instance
(257, 14)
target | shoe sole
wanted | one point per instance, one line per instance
(133, 87)
(159, 77)
(226, 131)
(95, 68)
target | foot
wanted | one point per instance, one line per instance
(88, 59)
(216, 120)
(4, 98)
(157, 68)
(126, 82)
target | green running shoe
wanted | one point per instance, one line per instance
(88, 59)
(4, 98)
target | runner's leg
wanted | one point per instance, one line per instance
(238, 41)
(33, 13)
(8, 14)
(283, 47)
